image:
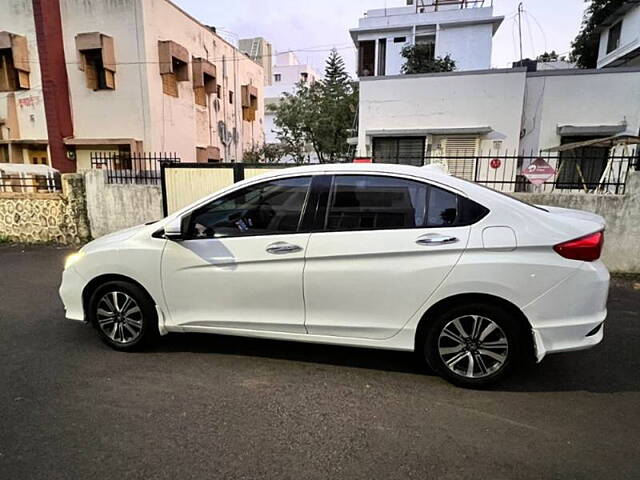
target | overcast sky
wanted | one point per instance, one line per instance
(311, 28)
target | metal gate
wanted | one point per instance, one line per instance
(185, 183)
(402, 150)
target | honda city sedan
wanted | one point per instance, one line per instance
(377, 256)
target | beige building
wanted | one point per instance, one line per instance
(139, 75)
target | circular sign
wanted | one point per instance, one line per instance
(496, 163)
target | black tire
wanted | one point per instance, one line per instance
(488, 360)
(135, 326)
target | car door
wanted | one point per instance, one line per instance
(241, 261)
(387, 243)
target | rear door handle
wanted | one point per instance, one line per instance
(434, 239)
(281, 248)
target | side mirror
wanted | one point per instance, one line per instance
(173, 230)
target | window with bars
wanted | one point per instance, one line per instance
(400, 150)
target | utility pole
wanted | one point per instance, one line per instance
(520, 10)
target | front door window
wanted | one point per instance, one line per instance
(268, 208)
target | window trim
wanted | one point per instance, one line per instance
(322, 228)
(187, 217)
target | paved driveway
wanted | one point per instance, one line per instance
(218, 407)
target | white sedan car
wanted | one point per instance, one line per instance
(379, 256)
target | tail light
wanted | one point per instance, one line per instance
(587, 249)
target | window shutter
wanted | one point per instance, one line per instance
(170, 84)
(200, 96)
(108, 54)
(455, 150)
(91, 74)
(109, 79)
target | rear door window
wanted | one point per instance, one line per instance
(373, 202)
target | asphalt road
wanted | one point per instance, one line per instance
(199, 406)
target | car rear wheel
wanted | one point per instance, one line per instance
(474, 345)
(124, 315)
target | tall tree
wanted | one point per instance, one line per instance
(291, 114)
(335, 102)
(321, 114)
(584, 49)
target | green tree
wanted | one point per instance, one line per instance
(419, 59)
(333, 111)
(291, 114)
(584, 49)
(321, 115)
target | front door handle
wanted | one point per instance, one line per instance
(281, 248)
(434, 239)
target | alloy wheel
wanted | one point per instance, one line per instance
(473, 346)
(119, 317)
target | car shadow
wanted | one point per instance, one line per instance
(366, 358)
(604, 369)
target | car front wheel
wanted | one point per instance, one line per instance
(123, 314)
(474, 345)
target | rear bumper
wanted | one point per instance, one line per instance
(71, 294)
(568, 338)
(571, 315)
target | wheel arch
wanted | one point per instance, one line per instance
(469, 298)
(100, 280)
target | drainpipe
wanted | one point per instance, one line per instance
(55, 84)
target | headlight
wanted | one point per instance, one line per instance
(73, 258)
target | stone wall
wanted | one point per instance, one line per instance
(621, 212)
(114, 207)
(46, 217)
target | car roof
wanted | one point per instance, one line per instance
(430, 172)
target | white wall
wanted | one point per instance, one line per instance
(581, 98)
(443, 101)
(629, 40)
(470, 46)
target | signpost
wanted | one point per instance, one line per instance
(539, 172)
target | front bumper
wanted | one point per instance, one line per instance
(71, 294)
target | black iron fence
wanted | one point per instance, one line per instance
(569, 171)
(133, 168)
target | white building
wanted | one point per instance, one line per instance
(139, 75)
(288, 72)
(620, 37)
(462, 29)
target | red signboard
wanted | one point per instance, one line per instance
(496, 163)
(362, 160)
(539, 172)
